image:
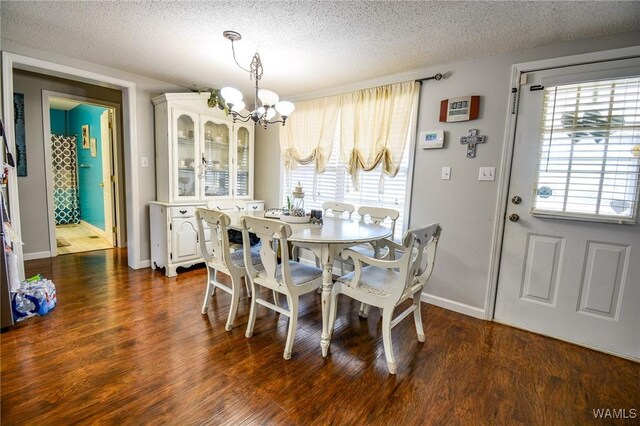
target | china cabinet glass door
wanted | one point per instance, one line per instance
(215, 168)
(243, 160)
(185, 155)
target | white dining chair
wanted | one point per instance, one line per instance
(215, 249)
(337, 209)
(379, 216)
(290, 278)
(387, 283)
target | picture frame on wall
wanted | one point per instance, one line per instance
(85, 137)
(21, 144)
(94, 148)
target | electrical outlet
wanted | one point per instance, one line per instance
(487, 174)
(446, 173)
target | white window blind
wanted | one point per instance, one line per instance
(335, 185)
(589, 158)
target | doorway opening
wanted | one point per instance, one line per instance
(81, 169)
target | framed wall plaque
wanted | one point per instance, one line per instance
(85, 137)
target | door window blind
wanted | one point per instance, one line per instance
(589, 158)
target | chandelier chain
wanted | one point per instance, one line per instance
(256, 67)
(238, 63)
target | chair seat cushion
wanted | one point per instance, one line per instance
(300, 273)
(374, 280)
(237, 257)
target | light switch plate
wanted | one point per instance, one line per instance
(487, 174)
(144, 161)
(446, 173)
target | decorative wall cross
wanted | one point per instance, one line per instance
(471, 141)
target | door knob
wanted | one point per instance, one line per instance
(514, 217)
(101, 184)
(516, 199)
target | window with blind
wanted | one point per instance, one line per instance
(335, 184)
(589, 158)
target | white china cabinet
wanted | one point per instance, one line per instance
(202, 159)
(201, 154)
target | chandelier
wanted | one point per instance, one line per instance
(271, 105)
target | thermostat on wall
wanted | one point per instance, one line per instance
(431, 139)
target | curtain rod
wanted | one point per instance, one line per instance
(433, 77)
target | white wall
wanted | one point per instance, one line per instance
(267, 166)
(464, 207)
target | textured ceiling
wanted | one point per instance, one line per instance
(305, 45)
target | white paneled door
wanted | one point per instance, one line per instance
(570, 263)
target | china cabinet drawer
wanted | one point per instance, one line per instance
(183, 211)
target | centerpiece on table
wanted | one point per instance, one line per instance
(294, 212)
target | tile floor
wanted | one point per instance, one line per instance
(78, 238)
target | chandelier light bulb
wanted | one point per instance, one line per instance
(271, 112)
(285, 108)
(237, 107)
(268, 98)
(231, 95)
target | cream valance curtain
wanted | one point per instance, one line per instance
(374, 125)
(309, 133)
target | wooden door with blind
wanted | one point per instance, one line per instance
(570, 262)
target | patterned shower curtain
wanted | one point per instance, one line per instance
(65, 179)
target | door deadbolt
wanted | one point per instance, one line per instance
(514, 217)
(516, 199)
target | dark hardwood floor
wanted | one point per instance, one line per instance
(131, 347)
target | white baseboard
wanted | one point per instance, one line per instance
(452, 305)
(143, 264)
(36, 255)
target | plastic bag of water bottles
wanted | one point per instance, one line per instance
(36, 296)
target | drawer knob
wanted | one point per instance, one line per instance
(255, 207)
(183, 211)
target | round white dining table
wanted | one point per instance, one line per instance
(326, 242)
